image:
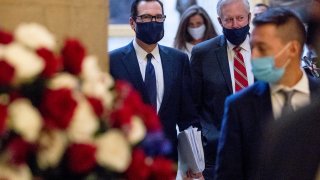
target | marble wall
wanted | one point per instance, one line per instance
(86, 20)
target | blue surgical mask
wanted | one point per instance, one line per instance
(149, 32)
(263, 68)
(236, 36)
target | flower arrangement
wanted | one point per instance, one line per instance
(61, 117)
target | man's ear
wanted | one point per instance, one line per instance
(132, 23)
(295, 49)
(249, 18)
(220, 22)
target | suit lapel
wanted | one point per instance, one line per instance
(222, 57)
(263, 104)
(131, 63)
(314, 86)
(167, 67)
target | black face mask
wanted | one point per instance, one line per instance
(236, 36)
(150, 32)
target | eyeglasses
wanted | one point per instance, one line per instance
(148, 18)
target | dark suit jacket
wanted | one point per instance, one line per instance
(247, 113)
(177, 105)
(292, 146)
(211, 83)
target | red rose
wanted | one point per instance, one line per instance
(6, 73)
(19, 150)
(73, 54)
(5, 37)
(97, 105)
(3, 118)
(121, 117)
(123, 88)
(162, 168)
(127, 94)
(14, 94)
(138, 168)
(52, 63)
(58, 107)
(150, 118)
(81, 158)
(132, 104)
(134, 100)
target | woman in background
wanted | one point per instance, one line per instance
(195, 26)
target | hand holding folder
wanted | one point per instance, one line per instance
(190, 150)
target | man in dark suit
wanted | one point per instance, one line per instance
(161, 74)
(277, 43)
(292, 146)
(215, 72)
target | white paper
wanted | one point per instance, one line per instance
(190, 152)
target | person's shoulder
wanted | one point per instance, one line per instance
(250, 93)
(171, 50)
(210, 44)
(176, 53)
(121, 50)
(314, 81)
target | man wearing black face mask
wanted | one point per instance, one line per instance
(161, 74)
(220, 67)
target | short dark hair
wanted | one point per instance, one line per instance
(262, 5)
(134, 7)
(286, 21)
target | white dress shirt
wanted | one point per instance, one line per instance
(156, 62)
(246, 54)
(189, 47)
(300, 98)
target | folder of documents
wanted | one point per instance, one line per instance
(190, 151)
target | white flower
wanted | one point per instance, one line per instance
(100, 89)
(1, 51)
(63, 80)
(113, 151)
(52, 145)
(34, 36)
(83, 124)
(137, 130)
(94, 88)
(21, 172)
(107, 80)
(90, 68)
(25, 119)
(26, 63)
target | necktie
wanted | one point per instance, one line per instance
(287, 106)
(150, 82)
(240, 73)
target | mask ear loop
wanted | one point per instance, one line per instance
(282, 50)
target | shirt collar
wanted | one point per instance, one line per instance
(141, 53)
(302, 85)
(245, 45)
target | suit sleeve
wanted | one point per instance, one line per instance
(229, 157)
(196, 77)
(188, 112)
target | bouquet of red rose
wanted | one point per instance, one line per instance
(61, 117)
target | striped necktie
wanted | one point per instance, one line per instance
(240, 73)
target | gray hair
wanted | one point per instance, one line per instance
(222, 3)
